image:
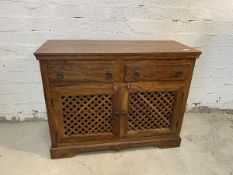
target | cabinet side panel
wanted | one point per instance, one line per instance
(185, 97)
(48, 100)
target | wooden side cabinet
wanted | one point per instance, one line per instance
(104, 95)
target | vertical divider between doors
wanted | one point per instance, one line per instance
(120, 110)
(124, 109)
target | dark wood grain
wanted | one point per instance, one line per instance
(104, 95)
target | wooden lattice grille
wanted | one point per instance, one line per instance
(150, 110)
(87, 114)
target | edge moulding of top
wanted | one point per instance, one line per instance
(156, 48)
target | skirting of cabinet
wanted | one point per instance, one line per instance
(70, 151)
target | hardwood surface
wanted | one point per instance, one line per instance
(85, 72)
(115, 47)
(152, 72)
(115, 103)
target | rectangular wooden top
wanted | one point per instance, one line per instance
(159, 48)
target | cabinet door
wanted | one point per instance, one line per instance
(153, 107)
(84, 112)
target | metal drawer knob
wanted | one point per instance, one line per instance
(60, 75)
(178, 74)
(109, 74)
(117, 113)
(136, 73)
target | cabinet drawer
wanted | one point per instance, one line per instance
(150, 72)
(84, 72)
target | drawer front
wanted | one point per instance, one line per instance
(84, 72)
(152, 72)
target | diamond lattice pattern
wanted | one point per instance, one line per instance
(150, 110)
(87, 114)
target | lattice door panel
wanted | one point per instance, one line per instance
(87, 114)
(150, 110)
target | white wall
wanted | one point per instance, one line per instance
(26, 24)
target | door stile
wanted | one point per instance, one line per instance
(120, 109)
(57, 114)
(176, 110)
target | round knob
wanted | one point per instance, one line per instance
(136, 73)
(60, 75)
(178, 74)
(117, 113)
(109, 74)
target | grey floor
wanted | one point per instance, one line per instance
(206, 148)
